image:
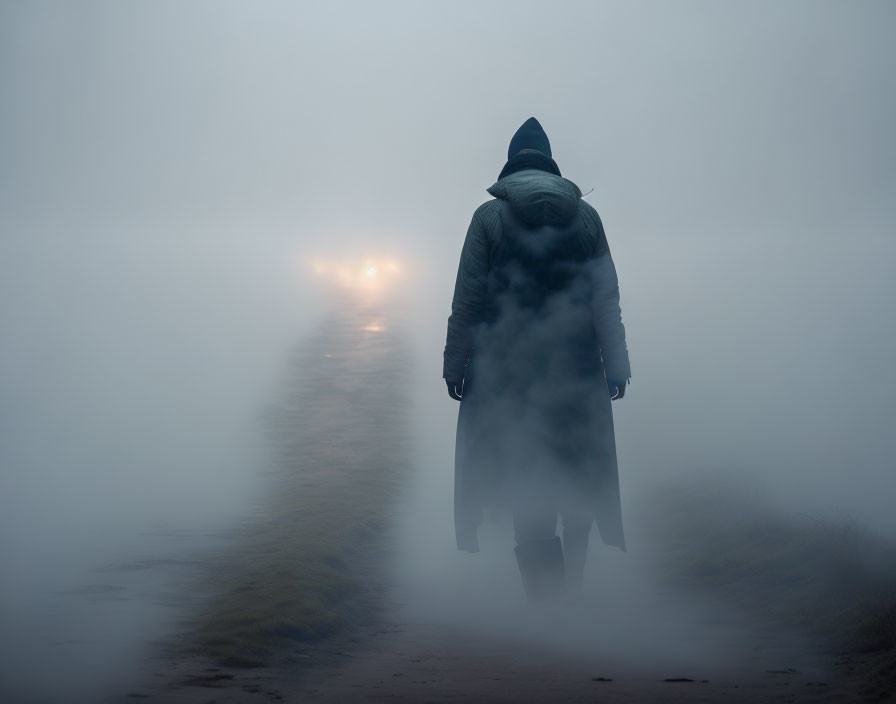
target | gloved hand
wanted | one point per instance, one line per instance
(616, 388)
(455, 389)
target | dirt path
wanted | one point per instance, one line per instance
(422, 663)
(400, 655)
(428, 662)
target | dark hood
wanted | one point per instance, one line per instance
(538, 197)
(530, 135)
(529, 148)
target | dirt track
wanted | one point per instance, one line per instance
(420, 662)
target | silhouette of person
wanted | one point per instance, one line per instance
(535, 352)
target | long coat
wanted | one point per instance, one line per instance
(535, 331)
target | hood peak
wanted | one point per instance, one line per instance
(530, 135)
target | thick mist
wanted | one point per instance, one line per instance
(169, 172)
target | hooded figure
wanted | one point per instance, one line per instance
(535, 342)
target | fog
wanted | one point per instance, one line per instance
(169, 171)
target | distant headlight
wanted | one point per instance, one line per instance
(372, 274)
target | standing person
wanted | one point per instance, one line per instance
(535, 343)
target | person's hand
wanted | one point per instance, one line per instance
(455, 389)
(616, 388)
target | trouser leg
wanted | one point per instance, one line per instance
(539, 552)
(576, 529)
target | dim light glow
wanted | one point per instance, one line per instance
(370, 274)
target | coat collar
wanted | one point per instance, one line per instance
(529, 159)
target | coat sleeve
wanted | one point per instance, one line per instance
(470, 293)
(605, 302)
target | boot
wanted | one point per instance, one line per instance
(541, 567)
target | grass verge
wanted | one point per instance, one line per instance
(306, 566)
(831, 579)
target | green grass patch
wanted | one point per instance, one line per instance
(829, 578)
(301, 571)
